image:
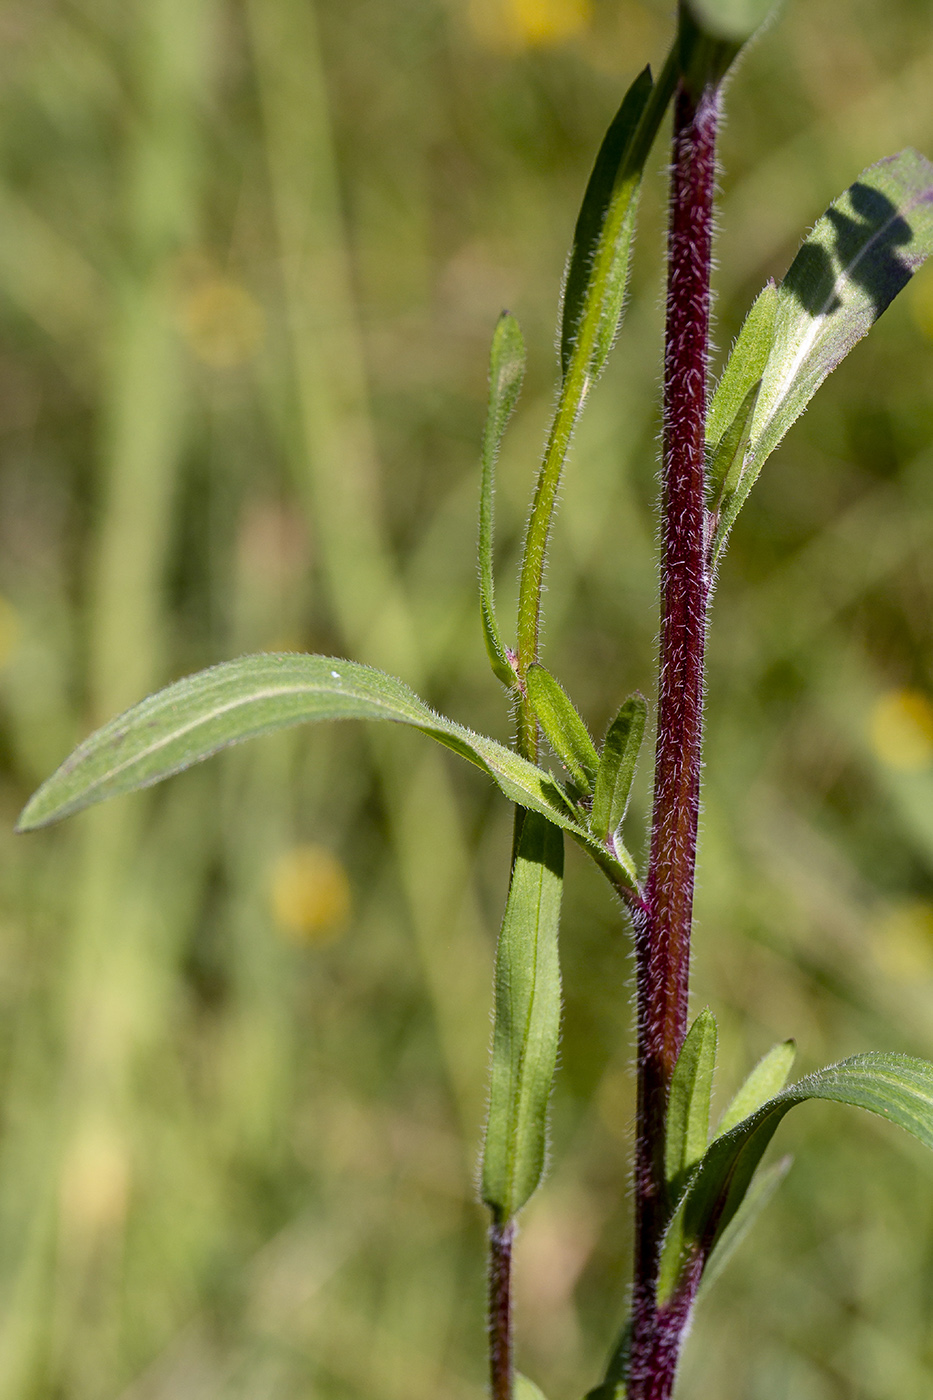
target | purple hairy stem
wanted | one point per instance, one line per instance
(662, 929)
(500, 1310)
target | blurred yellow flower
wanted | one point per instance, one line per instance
(511, 25)
(221, 321)
(903, 942)
(902, 730)
(310, 894)
(95, 1182)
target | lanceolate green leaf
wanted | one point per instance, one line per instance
(861, 253)
(896, 1087)
(506, 370)
(688, 1103)
(767, 1079)
(744, 367)
(527, 1021)
(595, 285)
(616, 770)
(565, 730)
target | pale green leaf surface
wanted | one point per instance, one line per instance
(727, 489)
(689, 1100)
(524, 1389)
(566, 733)
(506, 371)
(896, 1087)
(616, 770)
(527, 1021)
(767, 1079)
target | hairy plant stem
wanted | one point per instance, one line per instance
(500, 1309)
(662, 928)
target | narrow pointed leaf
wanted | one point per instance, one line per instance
(896, 1087)
(767, 1079)
(861, 253)
(726, 469)
(194, 718)
(566, 733)
(616, 770)
(609, 207)
(764, 1184)
(506, 370)
(527, 1021)
(688, 1104)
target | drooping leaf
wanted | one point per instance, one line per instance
(566, 733)
(897, 1087)
(196, 717)
(506, 371)
(767, 1079)
(861, 253)
(616, 770)
(689, 1100)
(597, 269)
(527, 1021)
(764, 1184)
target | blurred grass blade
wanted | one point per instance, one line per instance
(862, 252)
(566, 733)
(767, 1079)
(764, 1184)
(527, 1021)
(616, 770)
(506, 371)
(688, 1105)
(597, 270)
(897, 1087)
(196, 717)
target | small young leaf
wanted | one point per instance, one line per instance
(861, 253)
(506, 370)
(688, 1104)
(566, 733)
(527, 1021)
(897, 1087)
(767, 1079)
(764, 1184)
(616, 770)
(744, 367)
(601, 209)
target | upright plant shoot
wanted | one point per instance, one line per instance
(696, 1188)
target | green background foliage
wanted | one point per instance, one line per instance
(251, 257)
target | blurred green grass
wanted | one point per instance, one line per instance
(250, 261)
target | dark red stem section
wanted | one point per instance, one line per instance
(663, 929)
(500, 1310)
